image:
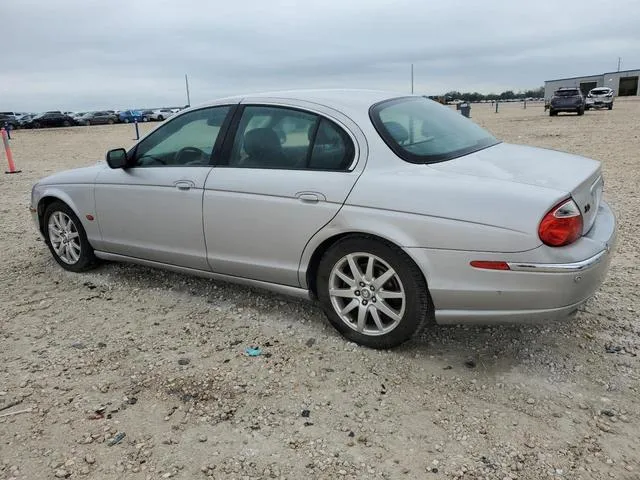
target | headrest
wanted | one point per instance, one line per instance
(397, 131)
(261, 141)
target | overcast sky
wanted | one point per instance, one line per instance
(93, 54)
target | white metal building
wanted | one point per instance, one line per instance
(623, 83)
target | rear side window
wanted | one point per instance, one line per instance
(286, 138)
(422, 131)
(332, 148)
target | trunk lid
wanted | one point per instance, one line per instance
(573, 175)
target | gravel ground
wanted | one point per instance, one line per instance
(159, 357)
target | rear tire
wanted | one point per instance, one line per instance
(110, 122)
(36, 125)
(66, 123)
(160, 118)
(580, 111)
(383, 303)
(66, 238)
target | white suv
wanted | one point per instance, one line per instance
(599, 97)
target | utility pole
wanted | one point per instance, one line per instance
(186, 82)
(412, 79)
(619, 60)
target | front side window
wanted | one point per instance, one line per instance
(284, 138)
(419, 130)
(186, 140)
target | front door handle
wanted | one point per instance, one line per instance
(310, 197)
(184, 185)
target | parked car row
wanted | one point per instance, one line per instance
(571, 99)
(57, 118)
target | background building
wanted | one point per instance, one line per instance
(624, 83)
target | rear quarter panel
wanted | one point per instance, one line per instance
(417, 206)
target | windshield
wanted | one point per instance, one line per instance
(566, 93)
(419, 130)
(599, 91)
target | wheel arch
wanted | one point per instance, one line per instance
(47, 199)
(309, 264)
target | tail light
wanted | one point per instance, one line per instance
(562, 225)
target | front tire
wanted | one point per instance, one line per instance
(610, 107)
(160, 118)
(552, 112)
(67, 239)
(372, 292)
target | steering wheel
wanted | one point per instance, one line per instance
(150, 157)
(189, 150)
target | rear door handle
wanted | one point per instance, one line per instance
(310, 197)
(184, 184)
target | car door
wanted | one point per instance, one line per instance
(153, 209)
(48, 120)
(285, 173)
(57, 120)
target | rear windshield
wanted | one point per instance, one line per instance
(567, 93)
(419, 130)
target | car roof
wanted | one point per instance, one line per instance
(334, 98)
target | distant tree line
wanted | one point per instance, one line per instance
(477, 97)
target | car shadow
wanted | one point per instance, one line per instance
(493, 350)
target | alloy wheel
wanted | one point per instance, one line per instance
(367, 294)
(64, 237)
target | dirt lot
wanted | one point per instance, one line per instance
(162, 355)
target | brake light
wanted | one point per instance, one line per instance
(562, 225)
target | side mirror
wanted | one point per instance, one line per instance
(117, 158)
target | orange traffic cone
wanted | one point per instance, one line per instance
(7, 150)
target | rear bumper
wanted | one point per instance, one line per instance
(599, 102)
(534, 289)
(566, 108)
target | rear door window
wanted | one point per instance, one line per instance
(287, 138)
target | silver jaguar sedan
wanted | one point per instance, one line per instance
(391, 211)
